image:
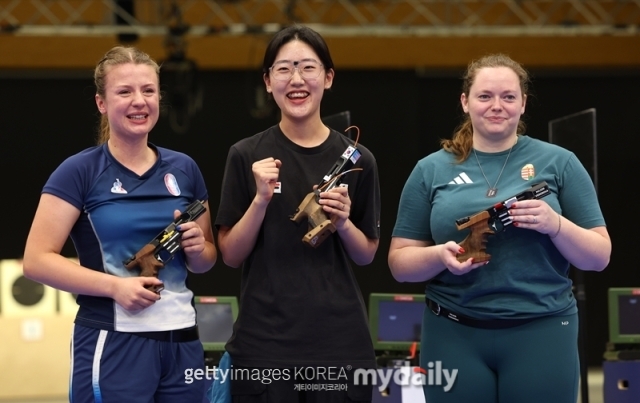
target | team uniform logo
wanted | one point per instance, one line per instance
(528, 172)
(460, 179)
(171, 183)
(117, 187)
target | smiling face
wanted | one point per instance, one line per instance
(494, 103)
(298, 99)
(131, 99)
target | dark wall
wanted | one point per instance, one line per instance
(401, 115)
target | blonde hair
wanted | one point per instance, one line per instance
(461, 143)
(116, 56)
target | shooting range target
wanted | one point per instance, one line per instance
(22, 297)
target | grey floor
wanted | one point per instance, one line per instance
(595, 391)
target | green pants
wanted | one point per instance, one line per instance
(532, 363)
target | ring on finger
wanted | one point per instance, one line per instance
(535, 219)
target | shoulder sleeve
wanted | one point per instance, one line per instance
(69, 182)
(577, 196)
(365, 213)
(414, 210)
(200, 188)
(235, 195)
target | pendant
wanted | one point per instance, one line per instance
(492, 192)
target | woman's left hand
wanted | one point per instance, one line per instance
(193, 240)
(536, 215)
(337, 203)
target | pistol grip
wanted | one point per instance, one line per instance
(148, 264)
(475, 244)
(305, 208)
(155, 288)
(320, 226)
(319, 233)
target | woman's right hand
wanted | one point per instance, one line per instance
(265, 172)
(448, 253)
(132, 295)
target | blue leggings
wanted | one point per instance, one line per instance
(532, 363)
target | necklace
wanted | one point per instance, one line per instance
(493, 190)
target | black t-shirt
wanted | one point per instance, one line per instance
(299, 305)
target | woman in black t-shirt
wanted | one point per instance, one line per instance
(302, 328)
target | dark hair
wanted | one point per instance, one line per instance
(300, 33)
(461, 142)
(116, 56)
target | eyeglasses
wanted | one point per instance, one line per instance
(308, 70)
